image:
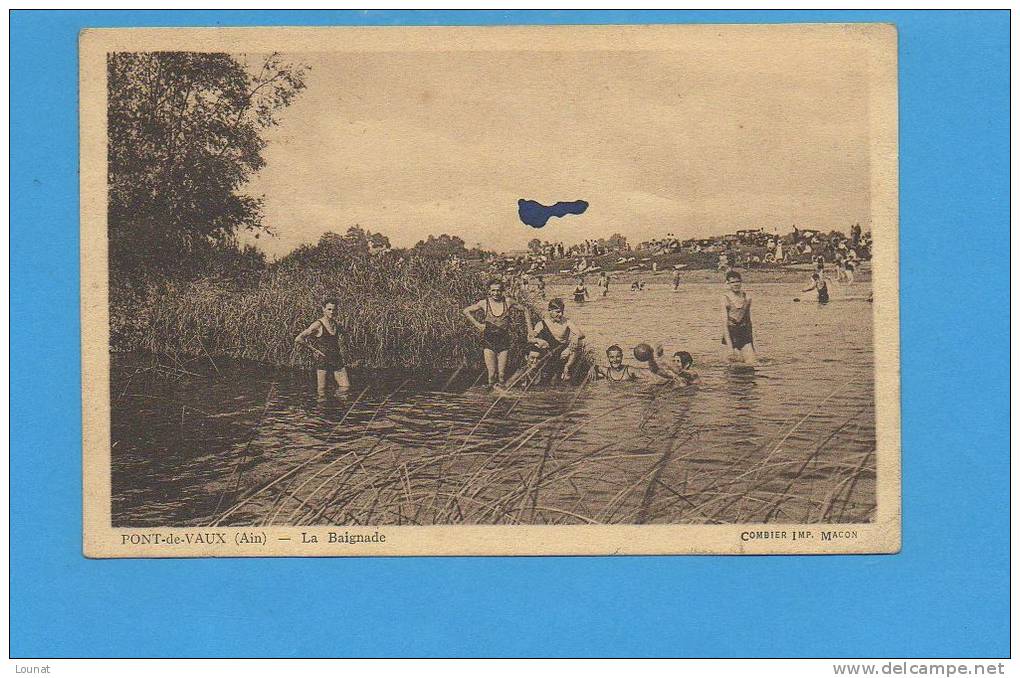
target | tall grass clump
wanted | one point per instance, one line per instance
(393, 312)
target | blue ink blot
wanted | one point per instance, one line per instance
(535, 214)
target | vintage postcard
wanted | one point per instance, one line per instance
(490, 290)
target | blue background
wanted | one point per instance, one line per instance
(946, 594)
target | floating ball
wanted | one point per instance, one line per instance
(643, 352)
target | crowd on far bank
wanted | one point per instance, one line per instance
(746, 249)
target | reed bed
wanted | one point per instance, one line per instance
(391, 313)
(533, 475)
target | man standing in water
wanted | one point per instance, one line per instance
(323, 337)
(496, 309)
(736, 309)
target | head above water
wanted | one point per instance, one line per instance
(683, 359)
(615, 355)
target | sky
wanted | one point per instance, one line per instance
(692, 141)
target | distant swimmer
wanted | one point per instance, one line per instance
(559, 337)
(676, 280)
(818, 283)
(496, 310)
(323, 338)
(603, 282)
(736, 309)
(637, 286)
(580, 291)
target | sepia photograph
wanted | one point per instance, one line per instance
(490, 290)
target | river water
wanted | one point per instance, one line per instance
(792, 440)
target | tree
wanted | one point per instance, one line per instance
(535, 246)
(184, 136)
(378, 241)
(357, 239)
(440, 247)
(617, 242)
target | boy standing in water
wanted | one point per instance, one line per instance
(496, 309)
(818, 283)
(736, 309)
(676, 279)
(557, 335)
(323, 337)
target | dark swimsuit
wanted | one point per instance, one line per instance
(496, 336)
(739, 328)
(328, 356)
(579, 294)
(823, 292)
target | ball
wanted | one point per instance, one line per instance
(643, 352)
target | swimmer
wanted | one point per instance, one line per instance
(580, 291)
(682, 363)
(616, 371)
(848, 272)
(559, 337)
(736, 310)
(530, 373)
(818, 283)
(323, 337)
(676, 280)
(680, 369)
(604, 282)
(496, 309)
(643, 353)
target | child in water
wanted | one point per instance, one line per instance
(496, 309)
(559, 337)
(736, 309)
(818, 283)
(580, 291)
(323, 337)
